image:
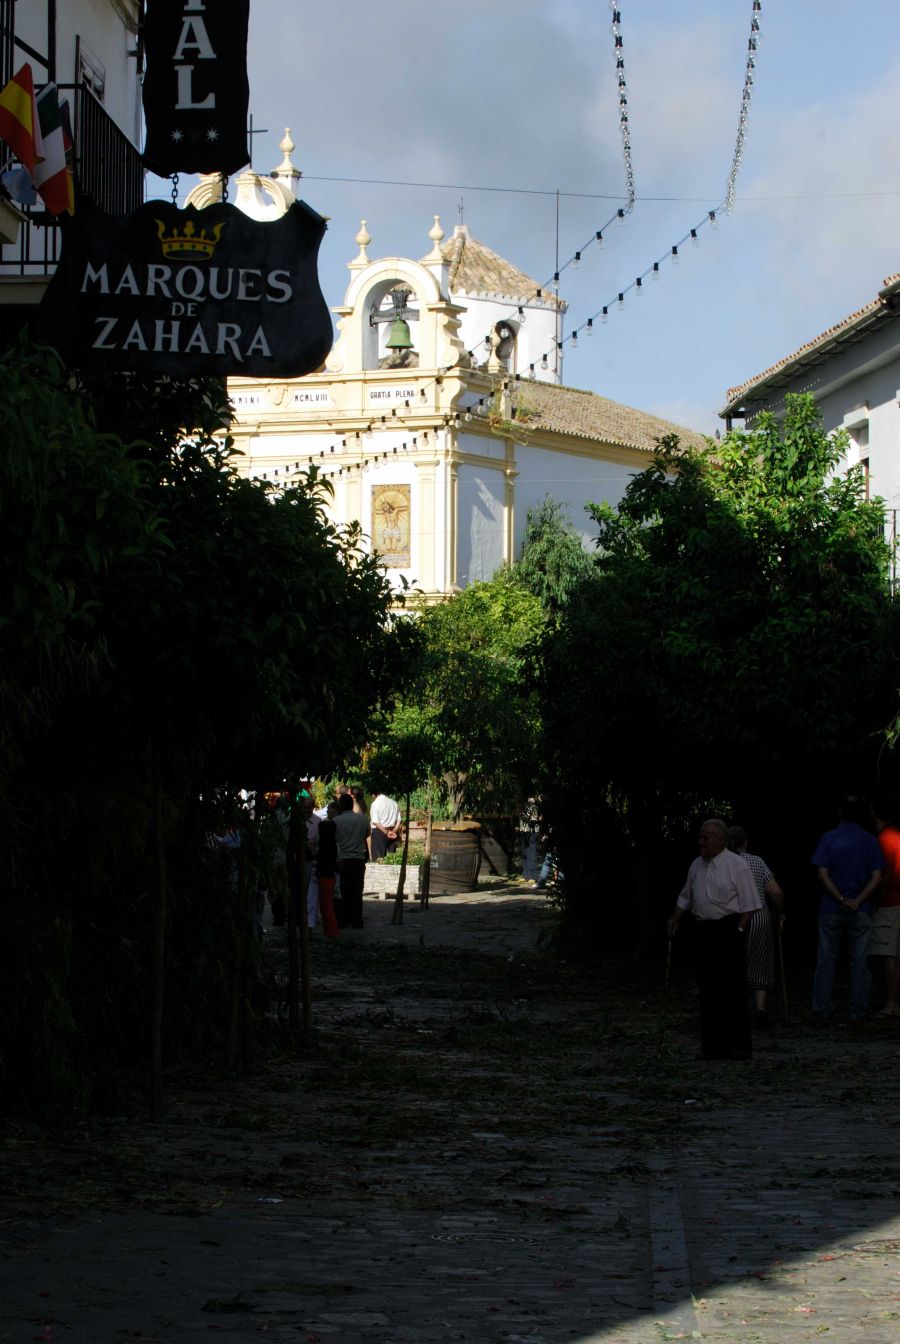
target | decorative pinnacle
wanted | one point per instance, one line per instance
(436, 234)
(362, 240)
(286, 168)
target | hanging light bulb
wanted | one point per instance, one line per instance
(576, 261)
(468, 416)
(604, 316)
(714, 223)
(656, 270)
(675, 256)
(695, 241)
(531, 372)
(638, 287)
(574, 341)
(620, 302)
(590, 326)
(521, 316)
(487, 342)
(600, 242)
(544, 364)
(621, 216)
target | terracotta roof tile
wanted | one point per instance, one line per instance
(585, 415)
(475, 269)
(845, 325)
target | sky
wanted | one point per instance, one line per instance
(520, 97)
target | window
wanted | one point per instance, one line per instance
(90, 72)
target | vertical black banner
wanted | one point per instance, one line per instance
(196, 93)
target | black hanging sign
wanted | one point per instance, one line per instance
(189, 293)
(196, 93)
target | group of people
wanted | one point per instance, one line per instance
(341, 837)
(737, 908)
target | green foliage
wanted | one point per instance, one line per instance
(150, 595)
(468, 717)
(415, 854)
(736, 643)
(553, 560)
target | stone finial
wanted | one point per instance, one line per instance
(287, 171)
(436, 234)
(362, 240)
(287, 148)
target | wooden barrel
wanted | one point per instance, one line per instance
(455, 857)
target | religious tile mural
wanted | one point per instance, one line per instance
(391, 510)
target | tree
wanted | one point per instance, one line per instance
(553, 560)
(735, 648)
(169, 633)
(468, 717)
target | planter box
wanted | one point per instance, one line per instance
(382, 879)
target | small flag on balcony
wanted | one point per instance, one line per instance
(18, 186)
(19, 125)
(196, 93)
(53, 177)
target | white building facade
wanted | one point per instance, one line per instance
(853, 372)
(438, 419)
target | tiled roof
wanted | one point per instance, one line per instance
(585, 415)
(843, 328)
(475, 269)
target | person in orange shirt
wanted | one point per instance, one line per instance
(885, 940)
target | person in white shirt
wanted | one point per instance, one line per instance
(721, 895)
(384, 815)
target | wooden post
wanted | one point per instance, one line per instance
(426, 862)
(159, 934)
(397, 915)
(295, 867)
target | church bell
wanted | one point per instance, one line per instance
(399, 337)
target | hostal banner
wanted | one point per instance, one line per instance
(196, 93)
(190, 293)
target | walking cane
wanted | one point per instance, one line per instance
(662, 1015)
(784, 998)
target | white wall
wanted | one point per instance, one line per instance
(101, 26)
(536, 336)
(572, 480)
(879, 388)
(479, 546)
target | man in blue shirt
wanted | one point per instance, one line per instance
(849, 863)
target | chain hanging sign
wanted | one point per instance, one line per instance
(196, 92)
(190, 293)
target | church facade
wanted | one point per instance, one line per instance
(438, 419)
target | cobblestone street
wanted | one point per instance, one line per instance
(481, 1145)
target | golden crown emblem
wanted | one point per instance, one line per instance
(189, 245)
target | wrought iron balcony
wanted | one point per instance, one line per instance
(108, 169)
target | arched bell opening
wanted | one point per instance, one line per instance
(391, 330)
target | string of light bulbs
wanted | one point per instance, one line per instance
(752, 45)
(671, 255)
(624, 129)
(711, 218)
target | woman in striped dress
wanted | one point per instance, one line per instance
(761, 933)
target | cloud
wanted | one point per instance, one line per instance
(683, 81)
(688, 414)
(838, 250)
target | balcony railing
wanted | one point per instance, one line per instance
(108, 168)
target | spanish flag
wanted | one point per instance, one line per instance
(53, 177)
(19, 125)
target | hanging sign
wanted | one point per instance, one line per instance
(190, 293)
(196, 93)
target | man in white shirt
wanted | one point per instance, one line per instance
(721, 895)
(384, 815)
